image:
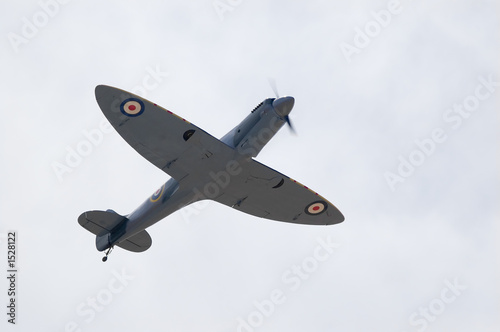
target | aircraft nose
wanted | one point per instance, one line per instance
(283, 105)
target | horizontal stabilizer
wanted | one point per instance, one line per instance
(137, 243)
(100, 222)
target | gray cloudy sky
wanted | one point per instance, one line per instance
(397, 119)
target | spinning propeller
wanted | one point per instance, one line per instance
(282, 105)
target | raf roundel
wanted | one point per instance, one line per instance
(316, 208)
(132, 107)
(156, 196)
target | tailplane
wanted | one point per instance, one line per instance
(100, 222)
(107, 225)
(138, 243)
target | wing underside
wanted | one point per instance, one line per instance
(168, 141)
(261, 191)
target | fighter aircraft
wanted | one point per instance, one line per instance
(202, 167)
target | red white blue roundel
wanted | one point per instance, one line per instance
(156, 196)
(132, 107)
(316, 208)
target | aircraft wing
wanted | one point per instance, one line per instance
(261, 191)
(168, 141)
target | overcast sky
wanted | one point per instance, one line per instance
(397, 119)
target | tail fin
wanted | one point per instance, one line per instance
(102, 223)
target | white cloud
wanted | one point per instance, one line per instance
(353, 120)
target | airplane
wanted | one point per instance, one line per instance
(202, 167)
